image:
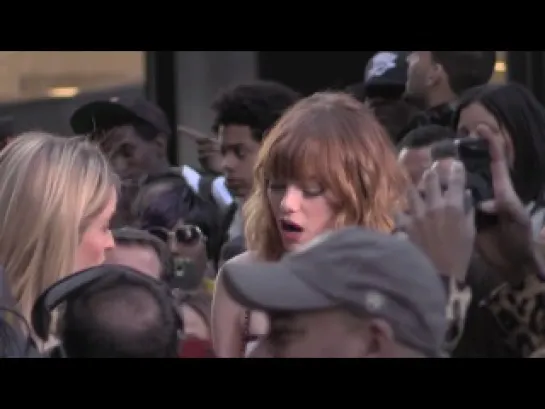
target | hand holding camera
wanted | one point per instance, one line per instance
(440, 223)
(511, 237)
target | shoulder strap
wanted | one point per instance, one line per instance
(245, 331)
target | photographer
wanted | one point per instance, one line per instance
(430, 217)
(515, 118)
(517, 305)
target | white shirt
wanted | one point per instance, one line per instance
(221, 195)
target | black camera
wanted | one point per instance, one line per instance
(187, 275)
(475, 155)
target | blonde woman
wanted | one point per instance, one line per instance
(326, 164)
(57, 196)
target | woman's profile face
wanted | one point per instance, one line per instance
(184, 240)
(187, 244)
(97, 238)
(301, 211)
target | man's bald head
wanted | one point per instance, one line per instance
(121, 318)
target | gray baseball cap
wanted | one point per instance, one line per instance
(357, 269)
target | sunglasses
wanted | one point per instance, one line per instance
(188, 235)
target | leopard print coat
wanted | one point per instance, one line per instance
(520, 312)
(459, 299)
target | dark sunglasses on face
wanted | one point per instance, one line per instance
(188, 235)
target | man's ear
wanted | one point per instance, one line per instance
(161, 144)
(381, 341)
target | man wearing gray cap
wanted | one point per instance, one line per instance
(352, 293)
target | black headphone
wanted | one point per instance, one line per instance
(70, 286)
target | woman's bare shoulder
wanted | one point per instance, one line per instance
(244, 258)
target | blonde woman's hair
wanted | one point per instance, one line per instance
(336, 141)
(50, 190)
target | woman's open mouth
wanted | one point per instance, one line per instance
(291, 231)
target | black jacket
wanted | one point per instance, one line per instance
(440, 115)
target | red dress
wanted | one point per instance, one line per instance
(193, 347)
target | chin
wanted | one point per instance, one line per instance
(89, 264)
(290, 247)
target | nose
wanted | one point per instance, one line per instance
(172, 244)
(119, 165)
(228, 163)
(110, 242)
(291, 201)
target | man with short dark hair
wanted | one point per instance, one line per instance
(351, 293)
(386, 75)
(440, 77)
(120, 317)
(244, 114)
(384, 87)
(142, 251)
(134, 134)
(415, 150)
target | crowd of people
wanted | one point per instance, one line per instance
(400, 217)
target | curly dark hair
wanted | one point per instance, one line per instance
(257, 104)
(180, 202)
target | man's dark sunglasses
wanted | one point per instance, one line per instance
(188, 235)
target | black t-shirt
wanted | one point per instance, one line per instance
(440, 115)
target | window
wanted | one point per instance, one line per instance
(28, 75)
(500, 70)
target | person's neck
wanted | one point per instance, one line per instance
(240, 200)
(440, 97)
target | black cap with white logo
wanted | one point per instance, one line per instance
(386, 70)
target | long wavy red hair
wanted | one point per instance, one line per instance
(333, 139)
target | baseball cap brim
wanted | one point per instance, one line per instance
(271, 287)
(99, 115)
